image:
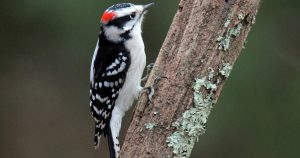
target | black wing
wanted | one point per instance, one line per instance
(110, 66)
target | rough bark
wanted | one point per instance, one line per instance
(204, 40)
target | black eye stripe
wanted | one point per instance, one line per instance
(132, 15)
(119, 22)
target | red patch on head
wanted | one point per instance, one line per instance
(108, 16)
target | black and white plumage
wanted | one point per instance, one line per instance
(116, 70)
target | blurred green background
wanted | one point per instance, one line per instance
(46, 49)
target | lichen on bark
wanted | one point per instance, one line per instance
(192, 123)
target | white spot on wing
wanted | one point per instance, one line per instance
(106, 84)
(122, 67)
(102, 100)
(97, 111)
(97, 125)
(96, 120)
(102, 126)
(105, 114)
(117, 62)
(114, 72)
(123, 64)
(111, 66)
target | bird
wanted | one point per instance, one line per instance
(116, 70)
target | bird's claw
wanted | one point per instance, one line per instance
(149, 68)
(151, 89)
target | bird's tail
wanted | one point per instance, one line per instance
(110, 140)
(97, 136)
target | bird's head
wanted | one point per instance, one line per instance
(123, 21)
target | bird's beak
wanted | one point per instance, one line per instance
(147, 6)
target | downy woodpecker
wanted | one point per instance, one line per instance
(116, 70)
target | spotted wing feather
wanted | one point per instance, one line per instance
(109, 77)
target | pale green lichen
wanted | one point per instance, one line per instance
(224, 41)
(236, 30)
(241, 16)
(192, 123)
(150, 125)
(210, 73)
(226, 24)
(225, 69)
(254, 18)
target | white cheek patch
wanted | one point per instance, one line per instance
(113, 33)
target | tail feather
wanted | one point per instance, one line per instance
(97, 137)
(110, 140)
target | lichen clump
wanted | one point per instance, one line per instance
(150, 125)
(224, 41)
(192, 123)
(226, 69)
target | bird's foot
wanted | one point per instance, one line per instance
(151, 89)
(149, 68)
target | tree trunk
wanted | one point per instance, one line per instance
(203, 42)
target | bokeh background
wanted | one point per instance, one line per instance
(46, 48)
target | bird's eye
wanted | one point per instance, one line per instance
(132, 15)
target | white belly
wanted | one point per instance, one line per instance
(132, 85)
